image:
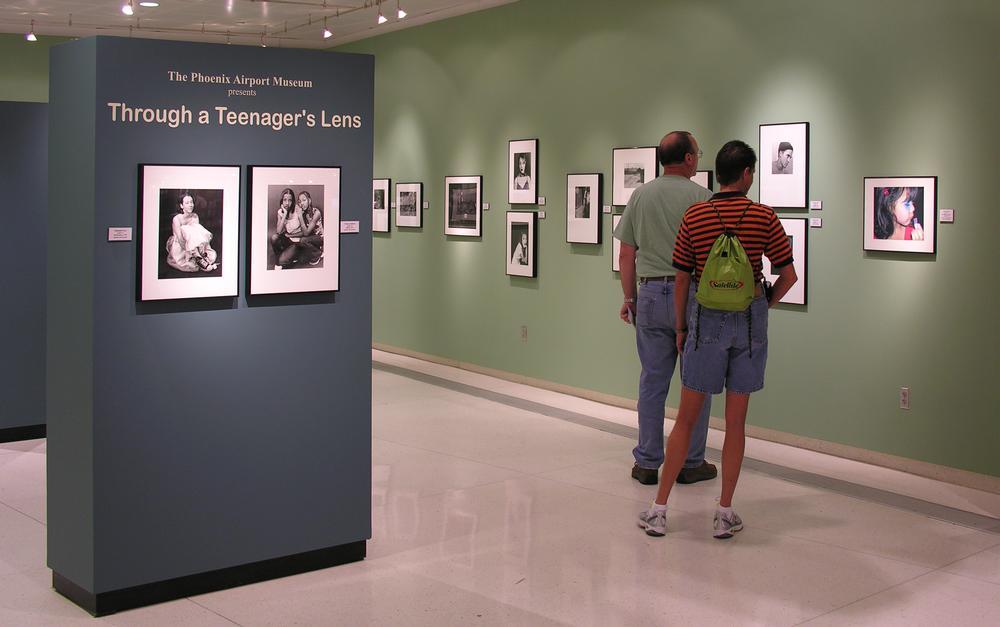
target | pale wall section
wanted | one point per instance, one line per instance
(890, 88)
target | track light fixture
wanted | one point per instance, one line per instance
(127, 8)
(30, 36)
(400, 13)
(327, 33)
(381, 18)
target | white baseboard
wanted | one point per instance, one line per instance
(945, 474)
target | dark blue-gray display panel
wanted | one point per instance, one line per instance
(23, 177)
(227, 431)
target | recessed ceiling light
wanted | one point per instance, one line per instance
(151, 5)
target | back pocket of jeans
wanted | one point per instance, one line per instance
(708, 325)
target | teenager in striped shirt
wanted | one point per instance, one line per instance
(721, 348)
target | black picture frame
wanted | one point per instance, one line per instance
(584, 229)
(207, 265)
(381, 190)
(521, 251)
(463, 206)
(784, 187)
(630, 168)
(416, 220)
(522, 187)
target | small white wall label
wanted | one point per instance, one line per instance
(815, 223)
(947, 216)
(119, 234)
(541, 201)
(541, 215)
(815, 204)
(607, 208)
(350, 226)
(486, 206)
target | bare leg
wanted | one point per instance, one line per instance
(734, 445)
(679, 441)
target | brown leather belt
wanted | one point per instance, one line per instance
(654, 279)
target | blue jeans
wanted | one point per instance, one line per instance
(657, 345)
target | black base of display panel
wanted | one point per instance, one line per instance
(15, 434)
(106, 603)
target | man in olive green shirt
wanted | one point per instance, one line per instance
(647, 231)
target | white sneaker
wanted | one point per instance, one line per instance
(726, 526)
(654, 523)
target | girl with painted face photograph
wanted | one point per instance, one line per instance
(898, 213)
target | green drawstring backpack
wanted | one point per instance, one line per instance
(726, 282)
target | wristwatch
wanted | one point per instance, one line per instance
(630, 300)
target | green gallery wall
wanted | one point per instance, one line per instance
(898, 87)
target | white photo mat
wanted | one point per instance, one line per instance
(784, 190)
(631, 167)
(798, 230)
(583, 208)
(153, 179)
(324, 277)
(522, 186)
(409, 200)
(704, 178)
(380, 205)
(616, 244)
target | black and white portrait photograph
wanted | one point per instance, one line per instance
(797, 230)
(901, 214)
(189, 231)
(522, 162)
(409, 205)
(616, 244)
(583, 208)
(190, 219)
(295, 232)
(631, 167)
(293, 243)
(783, 168)
(380, 205)
(463, 205)
(521, 240)
(705, 178)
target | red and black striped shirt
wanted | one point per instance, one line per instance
(760, 233)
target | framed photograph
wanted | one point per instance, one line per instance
(705, 178)
(380, 205)
(294, 238)
(631, 167)
(463, 205)
(583, 208)
(189, 218)
(797, 230)
(521, 251)
(616, 244)
(901, 214)
(522, 172)
(783, 169)
(409, 205)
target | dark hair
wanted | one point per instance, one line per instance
(287, 190)
(733, 158)
(180, 200)
(885, 198)
(674, 146)
(783, 146)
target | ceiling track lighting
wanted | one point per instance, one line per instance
(400, 13)
(327, 33)
(30, 35)
(381, 18)
(128, 9)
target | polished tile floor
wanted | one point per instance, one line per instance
(485, 513)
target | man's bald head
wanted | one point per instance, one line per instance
(674, 146)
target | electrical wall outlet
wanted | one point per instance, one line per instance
(904, 398)
(524, 333)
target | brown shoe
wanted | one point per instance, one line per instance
(645, 476)
(699, 473)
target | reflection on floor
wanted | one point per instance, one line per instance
(486, 513)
